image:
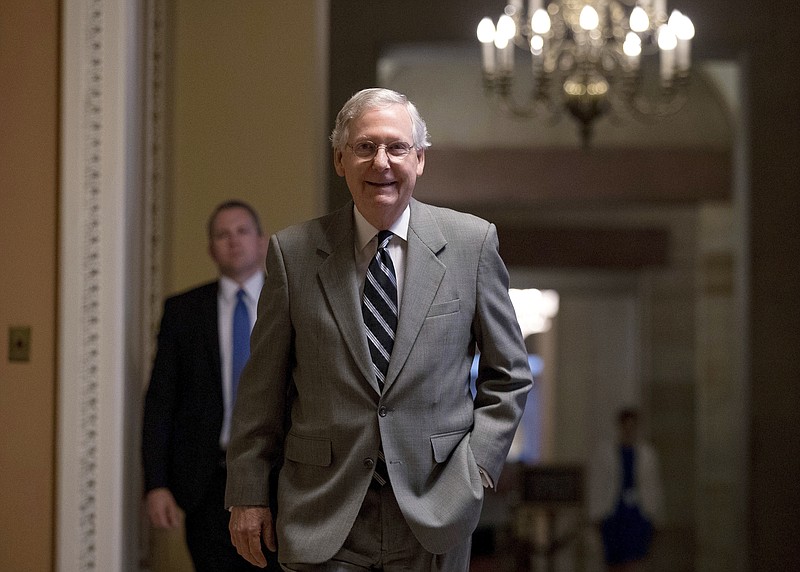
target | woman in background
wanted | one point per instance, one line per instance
(625, 496)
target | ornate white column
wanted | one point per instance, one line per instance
(102, 265)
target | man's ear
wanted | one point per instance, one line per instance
(211, 252)
(337, 162)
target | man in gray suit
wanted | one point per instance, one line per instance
(358, 379)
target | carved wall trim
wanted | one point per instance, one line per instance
(100, 274)
(155, 175)
(155, 188)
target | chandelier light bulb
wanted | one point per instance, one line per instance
(632, 46)
(681, 25)
(537, 45)
(506, 27)
(683, 29)
(486, 37)
(589, 19)
(503, 41)
(639, 20)
(667, 40)
(486, 31)
(688, 29)
(540, 22)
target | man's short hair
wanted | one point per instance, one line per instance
(233, 204)
(628, 413)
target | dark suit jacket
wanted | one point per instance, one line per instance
(309, 353)
(183, 408)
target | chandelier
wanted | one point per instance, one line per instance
(588, 57)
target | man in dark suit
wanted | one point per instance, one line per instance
(359, 379)
(189, 400)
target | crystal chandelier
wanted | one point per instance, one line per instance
(588, 57)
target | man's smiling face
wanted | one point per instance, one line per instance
(381, 187)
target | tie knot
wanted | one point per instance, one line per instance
(240, 295)
(384, 237)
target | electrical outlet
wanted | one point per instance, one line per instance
(19, 343)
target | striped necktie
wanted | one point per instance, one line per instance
(379, 306)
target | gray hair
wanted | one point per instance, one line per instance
(377, 98)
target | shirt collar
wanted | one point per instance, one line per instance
(366, 232)
(252, 286)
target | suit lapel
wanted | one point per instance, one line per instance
(424, 273)
(340, 284)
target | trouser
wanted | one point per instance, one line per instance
(207, 535)
(382, 540)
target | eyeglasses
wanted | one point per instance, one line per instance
(367, 149)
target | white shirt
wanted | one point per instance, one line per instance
(226, 303)
(367, 245)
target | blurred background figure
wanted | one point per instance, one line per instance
(625, 495)
(202, 345)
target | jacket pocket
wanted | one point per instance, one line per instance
(444, 443)
(444, 308)
(308, 450)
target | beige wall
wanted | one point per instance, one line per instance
(247, 106)
(28, 243)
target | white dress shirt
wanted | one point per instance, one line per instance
(366, 246)
(226, 304)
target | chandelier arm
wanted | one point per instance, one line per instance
(499, 90)
(669, 101)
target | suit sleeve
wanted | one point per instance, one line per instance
(160, 403)
(504, 377)
(258, 424)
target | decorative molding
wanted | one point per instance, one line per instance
(100, 272)
(91, 268)
(153, 216)
(155, 175)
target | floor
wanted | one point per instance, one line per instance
(672, 552)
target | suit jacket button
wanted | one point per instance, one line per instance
(369, 463)
(382, 411)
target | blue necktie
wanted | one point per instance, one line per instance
(241, 341)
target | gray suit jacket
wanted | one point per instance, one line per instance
(308, 396)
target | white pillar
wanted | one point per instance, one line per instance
(100, 272)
